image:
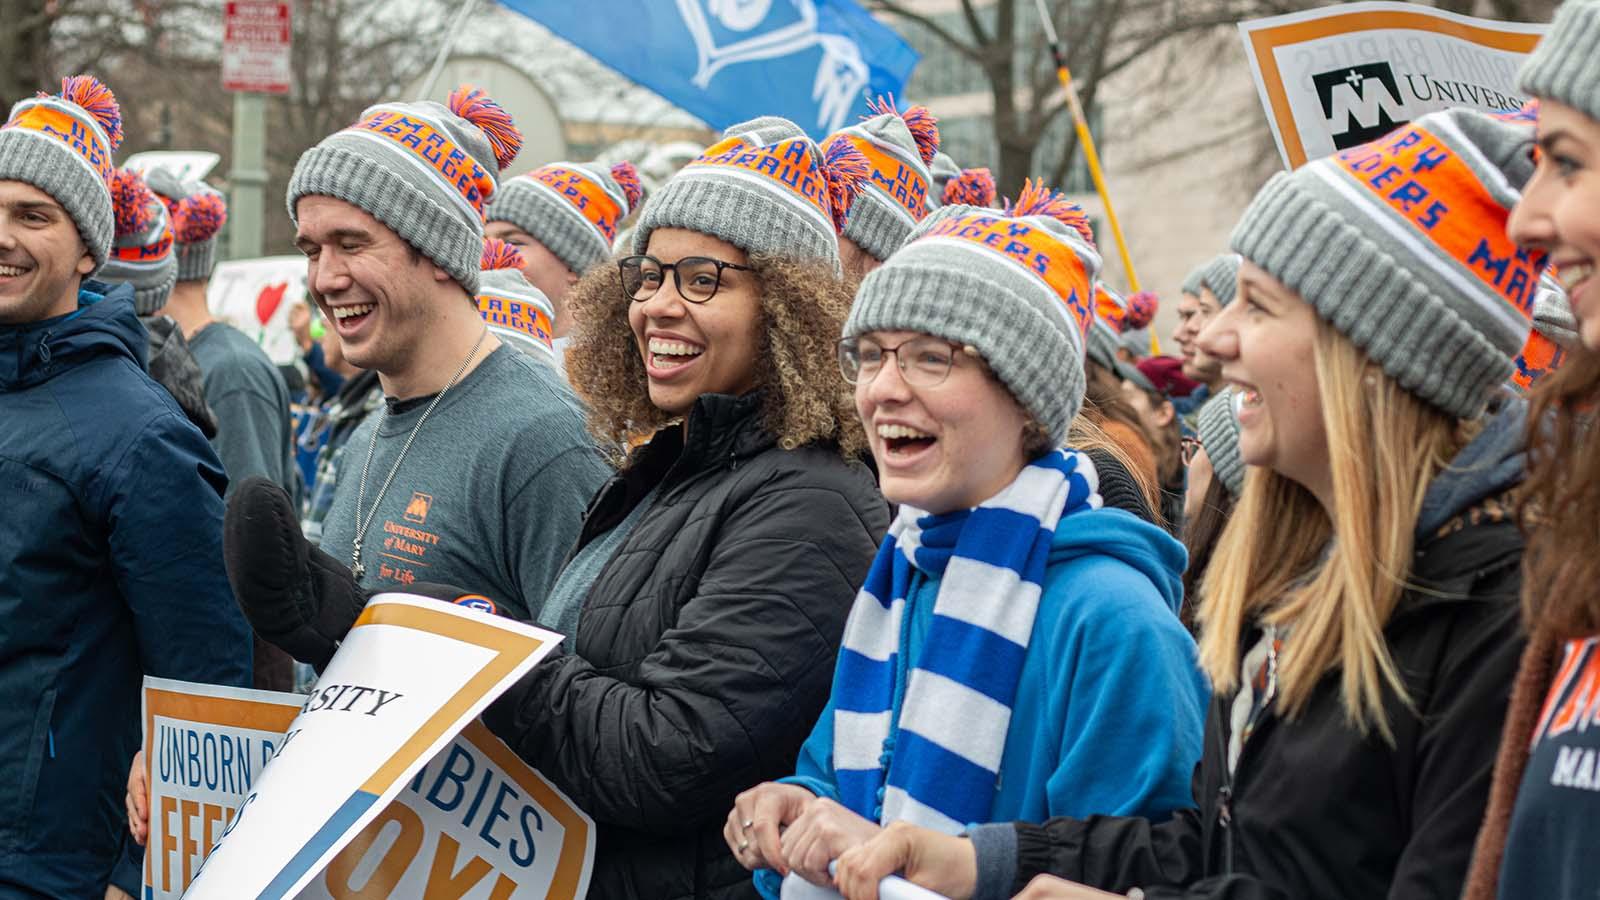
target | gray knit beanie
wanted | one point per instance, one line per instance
(1218, 427)
(1565, 67)
(1401, 246)
(63, 145)
(573, 209)
(516, 311)
(765, 188)
(1017, 286)
(1105, 337)
(426, 171)
(1221, 277)
(198, 214)
(142, 253)
(895, 197)
(940, 172)
(1195, 280)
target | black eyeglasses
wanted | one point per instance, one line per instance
(697, 277)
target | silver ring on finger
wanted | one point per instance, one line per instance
(743, 846)
(745, 825)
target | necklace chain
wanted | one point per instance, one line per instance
(356, 567)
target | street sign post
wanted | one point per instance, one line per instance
(255, 46)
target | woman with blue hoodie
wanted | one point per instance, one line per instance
(1015, 652)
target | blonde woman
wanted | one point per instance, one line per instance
(1359, 620)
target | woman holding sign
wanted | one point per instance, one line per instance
(1015, 634)
(1359, 621)
(1543, 824)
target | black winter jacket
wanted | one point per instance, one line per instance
(1315, 810)
(705, 648)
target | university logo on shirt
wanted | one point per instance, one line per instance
(417, 509)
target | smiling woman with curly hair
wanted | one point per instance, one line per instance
(715, 570)
(802, 306)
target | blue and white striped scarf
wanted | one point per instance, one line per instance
(937, 765)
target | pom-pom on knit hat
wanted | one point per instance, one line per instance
(63, 144)
(1401, 245)
(765, 188)
(1018, 286)
(1142, 306)
(142, 253)
(1218, 427)
(1220, 276)
(517, 312)
(427, 171)
(198, 213)
(1105, 333)
(1565, 67)
(573, 209)
(898, 149)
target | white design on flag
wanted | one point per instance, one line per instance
(841, 77)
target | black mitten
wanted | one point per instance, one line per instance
(295, 596)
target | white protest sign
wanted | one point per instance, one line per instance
(476, 822)
(255, 296)
(1343, 75)
(891, 888)
(184, 165)
(407, 679)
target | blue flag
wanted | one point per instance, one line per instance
(814, 62)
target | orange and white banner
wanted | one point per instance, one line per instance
(1343, 75)
(379, 783)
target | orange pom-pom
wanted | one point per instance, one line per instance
(133, 206)
(1038, 200)
(627, 178)
(845, 170)
(920, 121)
(198, 218)
(498, 254)
(97, 100)
(474, 105)
(973, 187)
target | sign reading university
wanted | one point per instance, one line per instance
(814, 62)
(1340, 76)
(363, 788)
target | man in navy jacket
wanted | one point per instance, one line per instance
(110, 512)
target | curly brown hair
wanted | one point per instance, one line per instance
(1561, 500)
(805, 398)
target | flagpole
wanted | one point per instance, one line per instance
(1086, 140)
(444, 51)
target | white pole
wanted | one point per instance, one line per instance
(444, 51)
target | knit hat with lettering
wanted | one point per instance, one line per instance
(1105, 335)
(1555, 332)
(1018, 286)
(573, 209)
(898, 148)
(517, 312)
(1565, 67)
(1401, 245)
(426, 171)
(63, 145)
(198, 214)
(1218, 427)
(142, 254)
(1221, 277)
(765, 188)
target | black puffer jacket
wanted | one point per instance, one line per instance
(705, 649)
(1315, 810)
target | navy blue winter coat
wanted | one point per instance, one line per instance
(110, 568)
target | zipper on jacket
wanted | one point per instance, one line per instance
(1225, 819)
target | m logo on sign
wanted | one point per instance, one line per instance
(1361, 103)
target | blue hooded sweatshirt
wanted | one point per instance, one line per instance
(1110, 706)
(110, 568)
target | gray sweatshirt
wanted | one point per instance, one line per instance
(251, 403)
(489, 498)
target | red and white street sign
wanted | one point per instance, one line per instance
(255, 46)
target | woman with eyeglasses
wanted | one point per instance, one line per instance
(715, 570)
(1358, 623)
(1015, 651)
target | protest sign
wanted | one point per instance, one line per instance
(1339, 76)
(374, 721)
(255, 296)
(184, 165)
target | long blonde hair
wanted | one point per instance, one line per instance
(1333, 581)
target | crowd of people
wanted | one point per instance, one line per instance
(878, 541)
